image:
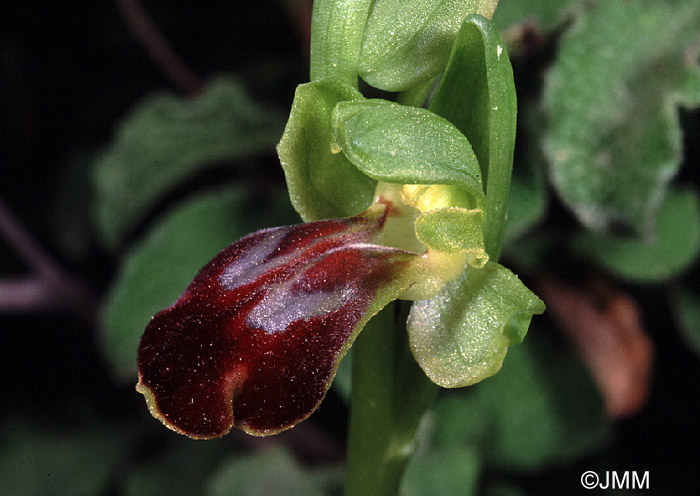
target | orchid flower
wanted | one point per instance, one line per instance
(255, 341)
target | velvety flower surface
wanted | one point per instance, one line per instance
(256, 338)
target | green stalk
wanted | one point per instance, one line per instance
(390, 395)
(337, 29)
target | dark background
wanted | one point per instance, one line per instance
(69, 71)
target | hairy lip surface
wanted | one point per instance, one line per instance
(256, 338)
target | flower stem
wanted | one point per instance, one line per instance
(390, 395)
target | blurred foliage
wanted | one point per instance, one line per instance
(166, 140)
(605, 181)
(612, 139)
(687, 306)
(53, 461)
(272, 472)
(673, 249)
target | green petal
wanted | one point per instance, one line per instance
(461, 336)
(321, 184)
(406, 145)
(453, 230)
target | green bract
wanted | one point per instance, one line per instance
(321, 184)
(337, 27)
(406, 145)
(408, 42)
(477, 95)
(461, 336)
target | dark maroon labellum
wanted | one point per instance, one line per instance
(256, 338)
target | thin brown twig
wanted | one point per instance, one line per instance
(47, 287)
(145, 30)
(17, 236)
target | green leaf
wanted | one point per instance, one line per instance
(687, 312)
(451, 470)
(167, 140)
(541, 408)
(408, 42)
(611, 97)
(477, 94)
(72, 213)
(673, 248)
(503, 489)
(453, 230)
(271, 472)
(461, 336)
(321, 184)
(546, 14)
(527, 200)
(405, 145)
(161, 266)
(51, 462)
(181, 467)
(528, 197)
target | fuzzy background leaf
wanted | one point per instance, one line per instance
(167, 140)
(611, 97)
(409, 42)
(687, 304)
(673, 248)
(453, 470)
(272, 472)
(182, 467)
(542, 407)
(461, 336)
(160, 267)
(56, 462)
(322, 185)
(72, 216)
(527, 200)
(546, 14)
